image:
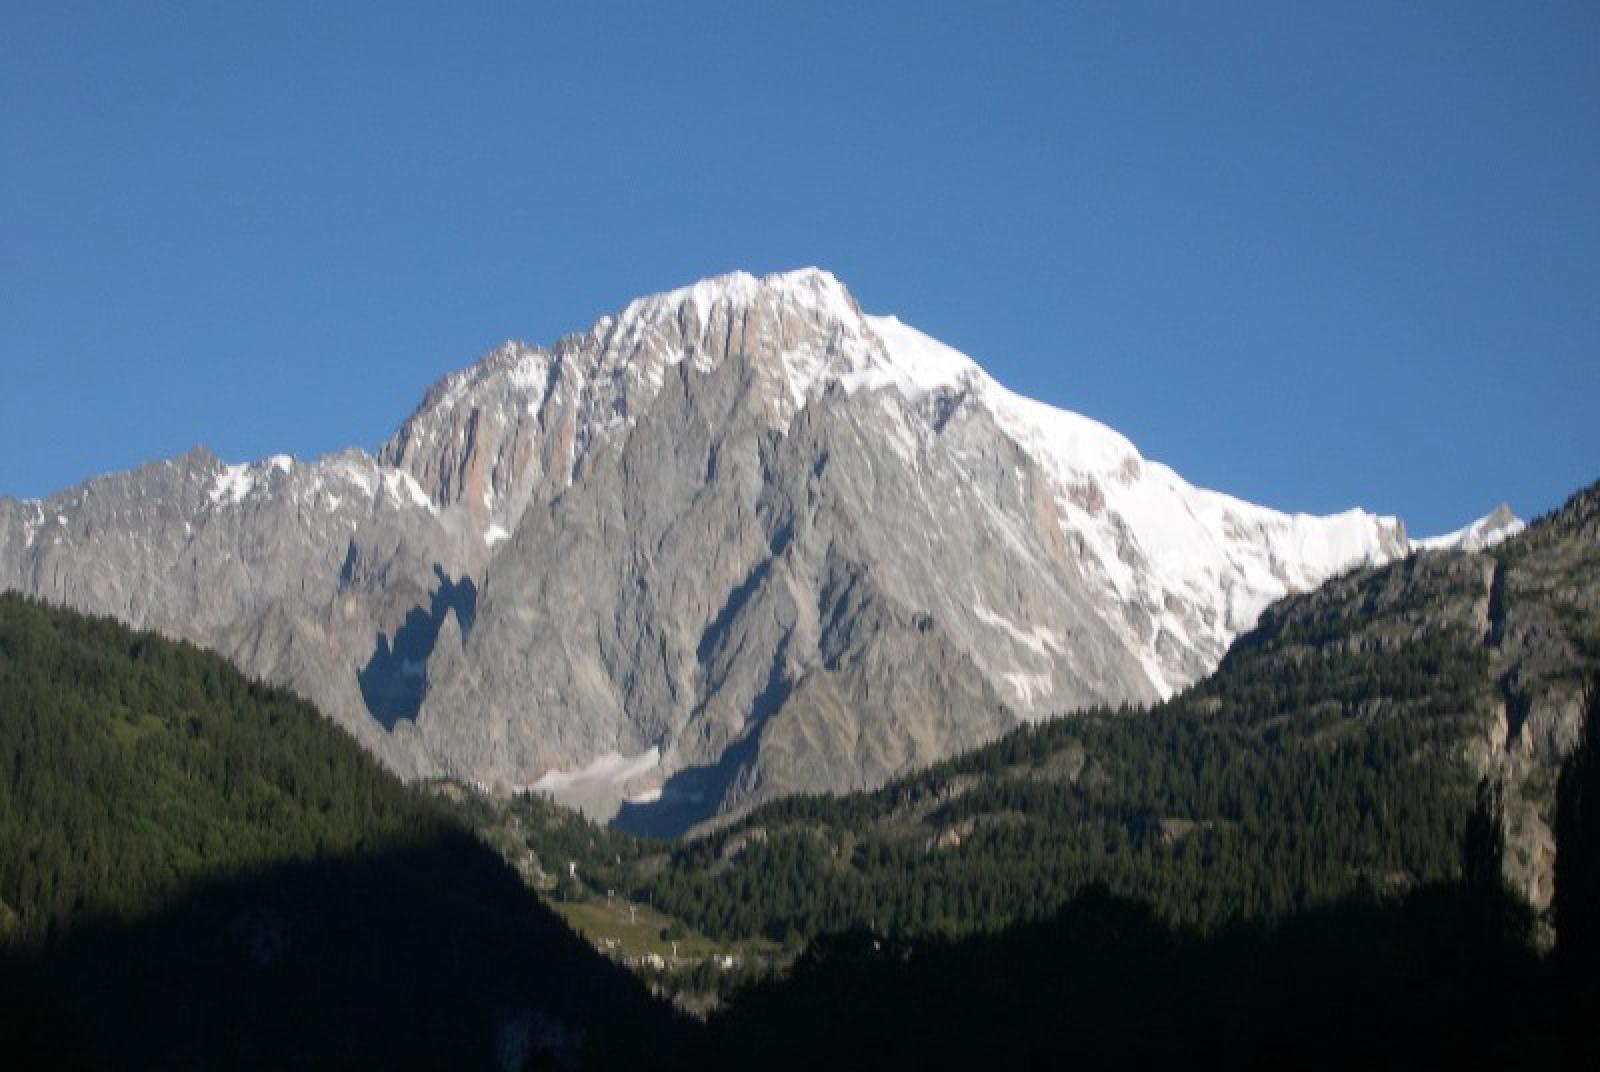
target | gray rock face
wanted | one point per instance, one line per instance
(736, 541)
(298, 573)
(1544, 643)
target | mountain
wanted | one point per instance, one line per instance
(199, 871)
(1340, 750)
(737, 540)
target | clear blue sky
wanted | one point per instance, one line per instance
(1315, 258)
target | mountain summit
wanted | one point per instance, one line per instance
(737, 540)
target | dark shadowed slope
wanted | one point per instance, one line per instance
(201, 872)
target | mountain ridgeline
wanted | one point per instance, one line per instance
(198, 871)
(736, 541)
(1337, 750)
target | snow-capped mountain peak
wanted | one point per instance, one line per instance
(742, 512)
(1183, 570)
(805, 288)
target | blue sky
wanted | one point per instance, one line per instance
(1315, 258)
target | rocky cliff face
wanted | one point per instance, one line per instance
(1544, 639)
(735, 541)
(1531, 606)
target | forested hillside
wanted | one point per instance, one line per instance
(134, 764)
(197, 871)
(1444, 976)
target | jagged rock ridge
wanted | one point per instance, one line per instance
(738, 540)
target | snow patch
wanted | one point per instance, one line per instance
(30, 526)
(803, 369)
(911, 362)
(612, 768)
(360, 475)
(901, 437)
(1039, 640)
(404, 487)
(232, 484)
(1025, 685)
(1153, 670)
(495, 533)
(530, 373)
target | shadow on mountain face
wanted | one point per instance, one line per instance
(687, 798)
(695, 794)
(394, 680)
(427, 955)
